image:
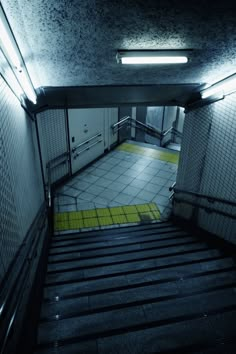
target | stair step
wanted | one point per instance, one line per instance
(86, 287)
(140, 289)
(140, 293)
(104, 324)
(119, 250)
(119, 239)
(153, 252)
(131, 268)
(113, 234)
(119, 242)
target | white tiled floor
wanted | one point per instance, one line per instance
(119, 178)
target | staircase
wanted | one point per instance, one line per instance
(140, 289)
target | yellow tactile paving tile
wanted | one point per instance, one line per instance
(153, 206)
(119, 219)
(143, 208)
(91, 222)
(74, 215)
(147, 216)
(129, 209)
(62, 226)
(133, 218)
(104, 221)
(76, 224)
(106, 217)
(89, 213)
(156, 154)
(60, 217)
(116, 211)
(103, 212)
(156, 214)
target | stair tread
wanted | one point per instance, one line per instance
(138, 288)
(155, 314)
(154, 291)
(100, 236)
(103, 285)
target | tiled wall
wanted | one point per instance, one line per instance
(53, 139)
(21, 189)
(207, 165)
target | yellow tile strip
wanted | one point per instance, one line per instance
(155, 154)
(96, 218)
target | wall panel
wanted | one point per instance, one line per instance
(53, 139)
(207, 164)
(21, 188)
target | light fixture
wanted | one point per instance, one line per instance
(12, 54)
(224, 87)
(7, 45)
(27, 87)
(151, 57)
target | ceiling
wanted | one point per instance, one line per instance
(70, 43)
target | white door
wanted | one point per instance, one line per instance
(86, 131)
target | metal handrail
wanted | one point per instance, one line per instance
(88, 147)
(205, 207)
(59, 157)
(25, 257)
(146, 127)
(136, 123)
(62, 159)
(86, 142)
(133, 122)
(49, 166)
(209, 198)
(49, 194)
(173, 131)
(122, 121)
(167, 131)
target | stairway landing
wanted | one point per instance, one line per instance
(118, 189)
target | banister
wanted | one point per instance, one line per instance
(122, 121)
(12, 291)
(211, 199)
(136, 123)
(205, 207)
(86, 142)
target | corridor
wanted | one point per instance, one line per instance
(117, 177)
(128, 185)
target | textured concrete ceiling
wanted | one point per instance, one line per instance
(74, 42)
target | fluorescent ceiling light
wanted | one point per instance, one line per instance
(224, 87)
(27, 87)
(13, 55)
(154, 60)
(7, 45)
(151, 57)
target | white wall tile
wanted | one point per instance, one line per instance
(21, 187)
(207, 163)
